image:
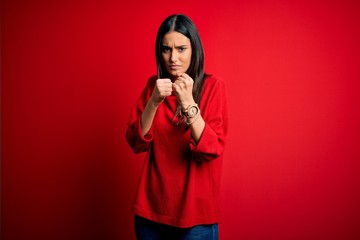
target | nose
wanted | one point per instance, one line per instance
(173, 56)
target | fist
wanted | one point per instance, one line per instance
(183, 86)
(162, 89)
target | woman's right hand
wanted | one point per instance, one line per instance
(162, 89)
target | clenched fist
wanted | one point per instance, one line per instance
(183, 86)
(162, 89)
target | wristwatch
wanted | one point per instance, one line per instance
(191, 111)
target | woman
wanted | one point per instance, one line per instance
(180, 120)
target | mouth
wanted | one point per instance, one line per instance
(174, 67)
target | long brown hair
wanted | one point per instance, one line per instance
(183, 24)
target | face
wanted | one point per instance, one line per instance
(176, 53)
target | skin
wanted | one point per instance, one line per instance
(176, 58)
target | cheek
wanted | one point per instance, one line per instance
(164, 59)
(188, 59)
(163, 56)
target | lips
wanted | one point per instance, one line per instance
(174, 67)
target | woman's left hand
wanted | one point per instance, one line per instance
(183, 87)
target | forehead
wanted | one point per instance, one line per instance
(176, 38)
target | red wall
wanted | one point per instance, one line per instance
(71, 71)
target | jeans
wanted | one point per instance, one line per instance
(149, 230)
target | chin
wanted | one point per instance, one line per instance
(173, 72)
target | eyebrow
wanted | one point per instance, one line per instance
(184, 45)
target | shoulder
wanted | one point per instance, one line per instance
(211, 81)
(213, 93)
(150, 83)
(152, 80)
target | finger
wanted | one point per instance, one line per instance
(166, 94)
(187, 80)
(178, 81)
(184, 76)
(165, 86)
(181, 76)
(182, 80)
(180, 84)
(165, 91)
(167, 80)
(161, 84)
(168, 86)
(176, 87)
(183, 84)
(163, 81)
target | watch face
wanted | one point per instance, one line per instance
(193, 111)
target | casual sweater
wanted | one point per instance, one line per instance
(180, 179)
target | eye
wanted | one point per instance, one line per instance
(165, 49)
(181, 49)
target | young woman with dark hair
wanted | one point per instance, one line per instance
(180, 120)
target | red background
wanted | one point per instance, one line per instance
(71, 71)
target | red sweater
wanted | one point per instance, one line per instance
(180, 180)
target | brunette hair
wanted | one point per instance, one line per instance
(183, 24)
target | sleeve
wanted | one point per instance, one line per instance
(213, 107)
(134, 137)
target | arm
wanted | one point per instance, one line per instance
(138, 133)
(162, 89)
(209, 130)
(147, 117)
(214, 112)
(197, 128)
(183, 86)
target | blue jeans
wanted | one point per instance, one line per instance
(149, 230)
